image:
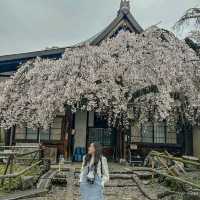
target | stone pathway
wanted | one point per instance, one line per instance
(117, 189)
(123, 185)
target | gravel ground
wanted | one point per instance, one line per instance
(71, 192)
(116, 189)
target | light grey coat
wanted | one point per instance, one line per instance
(104, 177)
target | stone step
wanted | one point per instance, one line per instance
(45, 181)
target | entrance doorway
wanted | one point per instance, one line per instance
(99, 132)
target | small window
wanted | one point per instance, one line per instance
(153, 132)
(53, 133)
(44, 134)
(171, 133)
(32, 134)
(158, 133)
(103, 136)
(20, 133)
(56, 129)
(147, 132)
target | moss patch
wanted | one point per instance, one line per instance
(15, 183)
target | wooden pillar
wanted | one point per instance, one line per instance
(188, 136)
(118, 136)
(12, 136)
(7, 137)
(185, 136)
(67, 132)
(121, 143)
(124, 146)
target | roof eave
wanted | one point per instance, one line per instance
(30, 55)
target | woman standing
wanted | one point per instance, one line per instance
(94, 174)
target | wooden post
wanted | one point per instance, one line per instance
(11, 171)
(11, 136)
(117, 153)
(67, 130)
(6, 169)
(124, 145)
(120, 144)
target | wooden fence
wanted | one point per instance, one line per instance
(11, 154)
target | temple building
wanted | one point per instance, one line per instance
(89, 127)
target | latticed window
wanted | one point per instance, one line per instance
(44, 135)
(98, 130)
(153, 132)
(103, 136)
(53, 133)
(147, 133)
(31, 134)
(56, 129)
(156, 133)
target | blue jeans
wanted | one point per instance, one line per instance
(91, 191)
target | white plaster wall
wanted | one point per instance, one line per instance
(91, 119)
(81, 128)
(196, 141)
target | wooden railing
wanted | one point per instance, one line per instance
(12, 154)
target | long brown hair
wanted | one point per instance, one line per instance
(97, 157)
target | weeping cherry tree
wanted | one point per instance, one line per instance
(152, 75)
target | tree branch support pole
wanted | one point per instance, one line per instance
(161, 155)
(180, 180)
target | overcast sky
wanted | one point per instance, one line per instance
(29, 25)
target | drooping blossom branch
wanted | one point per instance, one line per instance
(190, 21)
(131, 76)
